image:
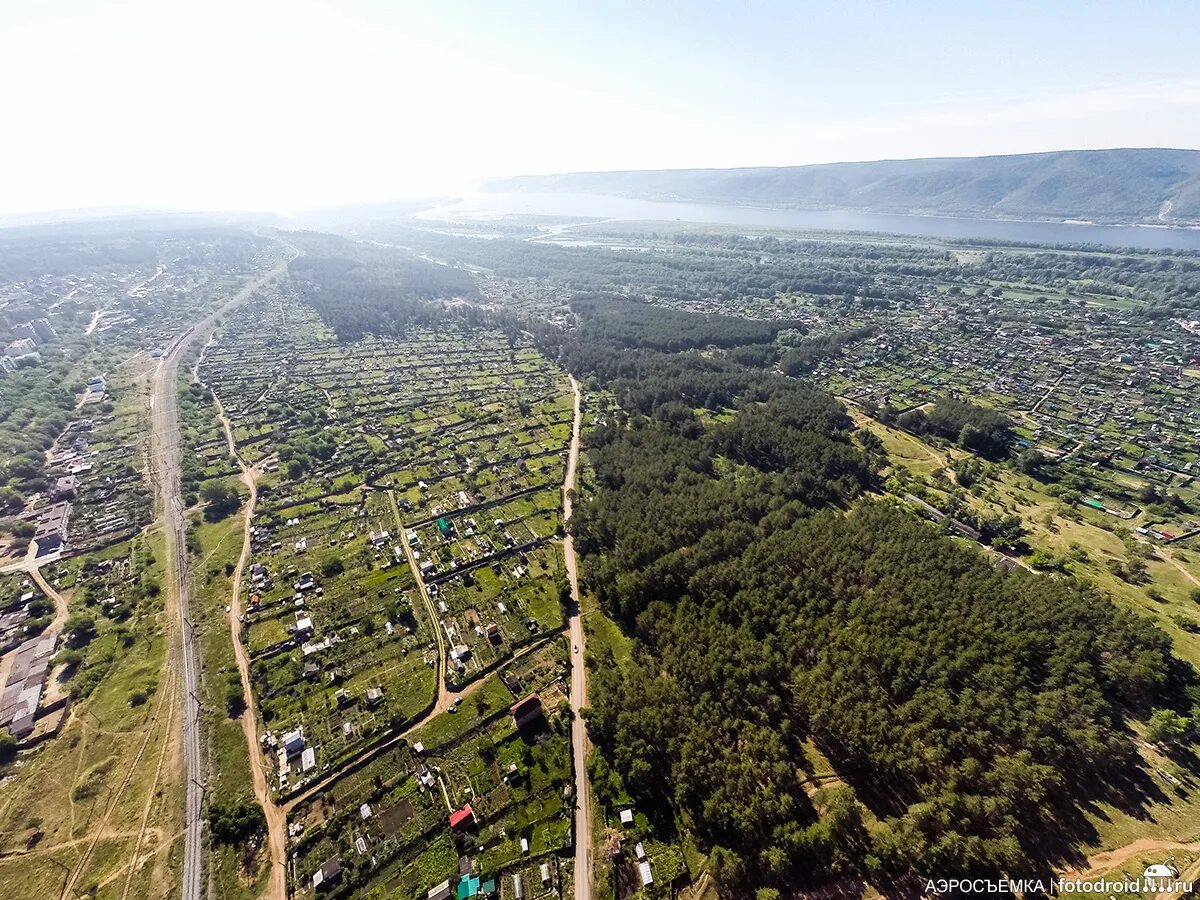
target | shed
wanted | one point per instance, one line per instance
(468, 886)
(644, 871)
(527, 710)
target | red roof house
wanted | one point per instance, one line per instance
(462, 819)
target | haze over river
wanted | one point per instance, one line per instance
(624, 208)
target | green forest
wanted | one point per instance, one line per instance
(773, 603)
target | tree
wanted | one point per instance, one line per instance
(234, 822)
(80, 628)
(23, 528)
(914, 420)
(1029, 462)
(8, 747)
(221, 500)
(1166, 726)
(726, 869)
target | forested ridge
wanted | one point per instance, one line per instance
(1118, 185)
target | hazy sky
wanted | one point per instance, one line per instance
(285, 104)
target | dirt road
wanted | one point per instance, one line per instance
(275, 817)
(579, 735)
(444, 700)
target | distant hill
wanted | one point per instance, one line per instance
(1111, 186)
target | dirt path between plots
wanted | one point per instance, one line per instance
(1166, 554)
(367, 754)
(444, 700)
(276, 818)
(276, 814)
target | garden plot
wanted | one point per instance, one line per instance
(355, 447)
(338, 645)
(389, 821)
(491, 611)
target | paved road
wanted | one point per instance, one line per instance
(165, 456)
(579, 735)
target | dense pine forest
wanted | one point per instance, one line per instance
(360, 289)
(776, 608)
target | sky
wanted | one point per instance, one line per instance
(284, 105)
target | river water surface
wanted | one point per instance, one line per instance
(624, 208)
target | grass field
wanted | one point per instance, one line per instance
(99, 807)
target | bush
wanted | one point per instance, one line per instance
(234, 823)
(235, 700)
(70, 659)
(1166, 725)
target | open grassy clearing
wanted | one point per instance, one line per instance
(99, 805)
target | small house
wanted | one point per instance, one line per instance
(328, 875)
(527, 711)
(462, 819)
(293, 742)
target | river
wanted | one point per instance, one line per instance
(1145, 237)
